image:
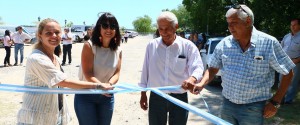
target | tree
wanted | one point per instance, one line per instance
(183, 17)
(69, 24)
(207, 15)
(276, 16)
(272, 17)
(143, 24)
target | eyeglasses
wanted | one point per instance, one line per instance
(238, 6)
(111, 26)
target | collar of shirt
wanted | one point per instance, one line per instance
(296, 34)
(253, 39)
(175, 42)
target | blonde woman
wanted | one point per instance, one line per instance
(43, 70)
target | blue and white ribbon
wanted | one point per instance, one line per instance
(119, 88)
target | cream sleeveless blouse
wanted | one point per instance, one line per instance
(105, 62)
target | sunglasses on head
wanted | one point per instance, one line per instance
(111, 26)
(238, 6)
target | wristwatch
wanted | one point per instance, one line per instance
(275, 104)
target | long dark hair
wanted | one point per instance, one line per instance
(111, 19)
(7, 33)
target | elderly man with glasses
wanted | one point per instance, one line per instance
(248, 59)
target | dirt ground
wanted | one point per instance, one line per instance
(127, 110)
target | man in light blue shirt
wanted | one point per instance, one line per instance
(291, 45)
(247, 59)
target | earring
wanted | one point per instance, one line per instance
(100, 38)
(115, 40)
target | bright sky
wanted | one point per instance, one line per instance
(25, 12)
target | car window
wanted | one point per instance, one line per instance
(213, 46)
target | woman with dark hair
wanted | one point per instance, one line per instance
(7, 45)
(100, 62)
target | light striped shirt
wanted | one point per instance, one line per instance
(42, 109)
(170, 65)
(248, 76)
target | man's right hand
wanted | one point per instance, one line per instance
(144, 101)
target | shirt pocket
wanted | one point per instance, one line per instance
(260, 66)
(180, 65)
(295, 46)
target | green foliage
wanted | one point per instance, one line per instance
(143, 24)
(183, 17)
(69, 24)
(207, 15)
(271, 16)
(287, 114)
(274, 16)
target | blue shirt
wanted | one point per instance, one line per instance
(248, 76)
(291, 45)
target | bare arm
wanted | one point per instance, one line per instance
(114, 79)
(75, 84)
(270, 109)
(208, 76)
(87, 60)
(284, 84)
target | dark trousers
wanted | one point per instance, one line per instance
(7, 56)
(159, 108)
(126, 38)
(67, 50)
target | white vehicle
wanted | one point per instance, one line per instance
(207, 52)
(79, 32)
(13, 29)
(132, 34)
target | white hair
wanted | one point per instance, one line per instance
(167, 15)
(242, 13)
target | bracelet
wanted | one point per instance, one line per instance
(275, 104)
(99, 86)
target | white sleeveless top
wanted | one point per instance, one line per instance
(105, 63)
